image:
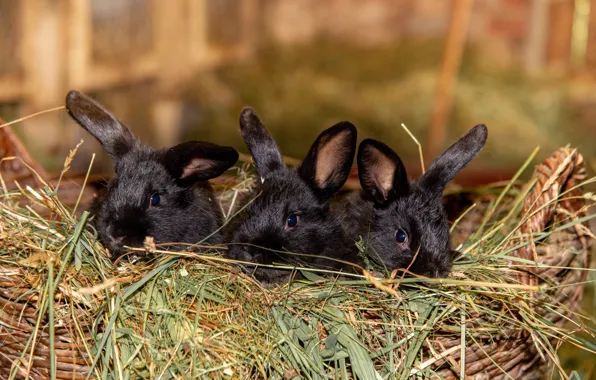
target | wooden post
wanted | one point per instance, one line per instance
(560, 34)
(249, 27)
(172, 37)
(451, 61)
(591, 53)
(536, 44)
(171, 23)
(43, 30)
(13, 51)
(200, 54)
(79, 42)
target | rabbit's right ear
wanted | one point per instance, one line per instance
(115, 137)
(199, 161)
(263, 148)
(382, 173)
(444, 168)
(327, 165)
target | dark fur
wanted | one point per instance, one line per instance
(261, 230)
(187, 212)
(414, 207)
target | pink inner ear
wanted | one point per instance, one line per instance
(385, 171)
(195, 165)
(381, 171)
(331, 153)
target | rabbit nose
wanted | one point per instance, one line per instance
(240, 252)
(265, 244)
(117, 232)
(121, 234)
(116, 240)
(115, 246)
(264, 252)
(267, 239)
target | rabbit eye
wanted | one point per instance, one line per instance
(292, 221)
(400, 236)
(155, 200)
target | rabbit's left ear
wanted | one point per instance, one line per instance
(329, 160)
(445, 167)
(266, 155)
(115, 137)
(194, 161)
(382, 173)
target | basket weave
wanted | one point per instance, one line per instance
(514, 353)
(561, 173)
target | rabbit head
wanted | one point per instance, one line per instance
(408, 219)
(161, 193)
(290, 212)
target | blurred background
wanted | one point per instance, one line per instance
(183, 69)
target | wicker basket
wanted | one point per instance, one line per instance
(514, 353)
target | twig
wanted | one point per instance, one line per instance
(31, 116)
(419, 147)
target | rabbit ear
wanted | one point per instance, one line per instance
(329, 160)
(382, 173)
(445, 167)
(114, 136)
(194, 161)
(263, 148)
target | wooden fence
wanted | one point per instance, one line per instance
(559, 37)
(51, 46)
(569, 45)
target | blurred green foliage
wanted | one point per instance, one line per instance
(299, 91)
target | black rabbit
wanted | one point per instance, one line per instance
(290, 212)
(161, 193)
(398, 217)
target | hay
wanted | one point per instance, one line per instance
(67, 312)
